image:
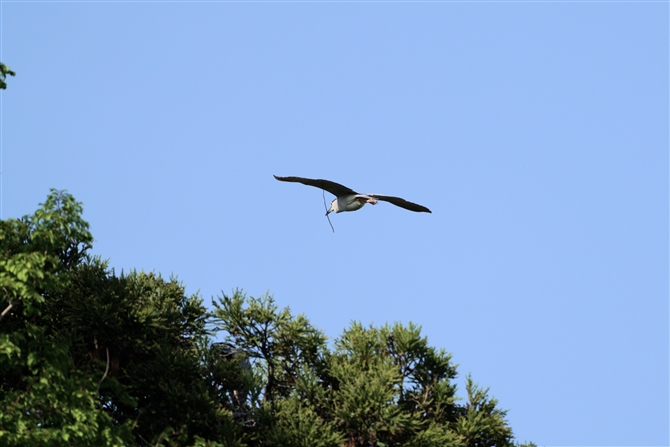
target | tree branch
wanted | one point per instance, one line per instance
(8, 308)
(106, 371)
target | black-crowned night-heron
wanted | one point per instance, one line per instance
(347, 199)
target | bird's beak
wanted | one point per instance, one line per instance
(327, 212)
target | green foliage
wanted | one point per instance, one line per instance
(45, 399)
(91, 358)
(296, 424)
(379, 386)
(481, 423)
(392, 387)
(4, 71)
(284, 344)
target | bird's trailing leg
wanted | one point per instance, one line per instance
(365, 200)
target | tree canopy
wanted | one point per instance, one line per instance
(89, 357)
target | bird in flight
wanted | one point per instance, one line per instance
(347, 199)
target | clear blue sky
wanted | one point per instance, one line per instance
(536, 132)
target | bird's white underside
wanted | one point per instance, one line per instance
(351, 203)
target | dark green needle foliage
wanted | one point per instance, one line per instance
(92, 358)
(376, 387)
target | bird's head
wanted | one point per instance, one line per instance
(334, 208)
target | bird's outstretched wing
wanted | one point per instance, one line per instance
(334, 188)
(402, 203)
